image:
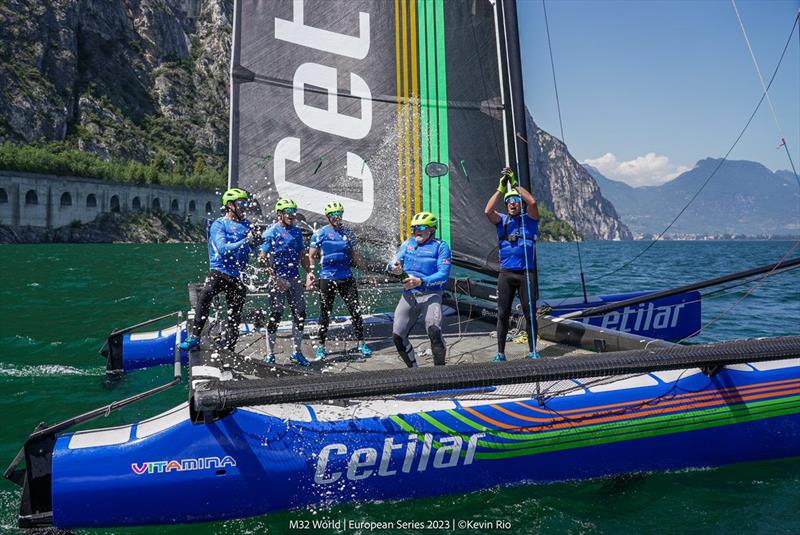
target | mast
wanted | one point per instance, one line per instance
(518, 122)
(233, 87)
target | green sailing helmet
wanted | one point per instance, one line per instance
(283, 204)
(334, 206)
(511, 193)
(234, 194)
(424, 218)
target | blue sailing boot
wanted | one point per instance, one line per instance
(534, 355)
(191, 342)
(365, 351)
(270, 359)
(319, 353)
(300, 359)
(500, 357)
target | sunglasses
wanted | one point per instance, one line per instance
(290, 211)
(513, 200)
(421, 228)
(242, 203)
(335, 214)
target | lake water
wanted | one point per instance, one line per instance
(59, 302)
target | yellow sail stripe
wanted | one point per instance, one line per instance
(401, 222)
(409, 158)
(406, 177)
(415, 109)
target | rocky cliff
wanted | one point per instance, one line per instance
(129, 79)
(569, 190)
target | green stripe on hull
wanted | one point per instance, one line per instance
(593, 435)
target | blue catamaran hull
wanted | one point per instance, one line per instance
(271, 458)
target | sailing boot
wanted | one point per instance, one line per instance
(300, 359)
(365, 351)
(407, 354)
(191, 343)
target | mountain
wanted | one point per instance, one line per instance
(569, 190)
(146, 80)
(142, 80)
(742, 197)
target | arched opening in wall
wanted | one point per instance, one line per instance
(31, 199)
(208, 208)
(66, 199)
(192, 206)
(114, 203)
(136, 204)
(156, 204)
(174, 206)
(91, 201)
(3, 196)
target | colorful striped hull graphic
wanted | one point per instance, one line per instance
(523, 428)
(421, 111)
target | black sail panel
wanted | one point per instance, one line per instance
(348, 100)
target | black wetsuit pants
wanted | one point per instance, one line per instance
(235, 293)
(509, 284)
(348, 289)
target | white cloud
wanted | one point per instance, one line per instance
(648, 170)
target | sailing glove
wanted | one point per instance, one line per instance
(508, 173)
(502, 187)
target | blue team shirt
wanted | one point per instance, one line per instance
(285, 244)
(228, 251)
(336, 246)
(514, 252)
(430, 261)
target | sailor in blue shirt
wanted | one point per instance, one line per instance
(423, 262)
(337, 244)
(228, 253)
(516, 234)
(283, 252)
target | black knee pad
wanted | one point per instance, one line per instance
(437, 345)
(401, 349)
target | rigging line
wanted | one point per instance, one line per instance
(758, 71)
(764, 87)
(564, 141)
(710, 176)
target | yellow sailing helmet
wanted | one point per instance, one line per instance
(283, 204)
(334, 206)
(424, 218)
(234, 194)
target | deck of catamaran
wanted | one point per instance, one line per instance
(468, 340)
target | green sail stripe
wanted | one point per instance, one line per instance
(433, 118)
(654, 421)
(444, 149)
(424, 107)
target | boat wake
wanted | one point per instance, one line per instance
(44, 370)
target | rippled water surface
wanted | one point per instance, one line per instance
(58, 302)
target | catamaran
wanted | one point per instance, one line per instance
(392, 107)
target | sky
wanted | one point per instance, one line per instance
(648, 88)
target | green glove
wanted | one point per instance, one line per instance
(511, 177)
(502, 187)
